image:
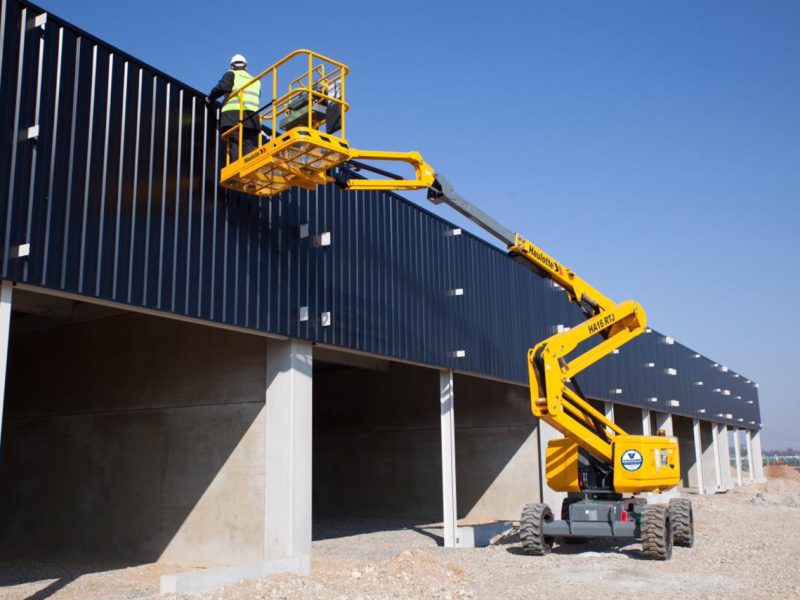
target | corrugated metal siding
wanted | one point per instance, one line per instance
(118, 199)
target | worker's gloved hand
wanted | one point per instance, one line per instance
(211, 103)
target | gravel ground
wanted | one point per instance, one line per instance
(747, 545)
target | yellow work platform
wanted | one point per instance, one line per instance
(299, 158)
(302, 132)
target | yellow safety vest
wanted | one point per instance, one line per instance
(252, 95)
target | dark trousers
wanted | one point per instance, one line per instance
(249, 141)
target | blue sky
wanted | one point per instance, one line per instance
(654, 147)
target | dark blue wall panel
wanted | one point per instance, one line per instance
(118, 200)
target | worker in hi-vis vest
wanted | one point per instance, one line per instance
(233, 80)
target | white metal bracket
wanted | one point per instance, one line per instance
(21, 251)
(31, 133)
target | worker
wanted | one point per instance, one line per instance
(251, 124)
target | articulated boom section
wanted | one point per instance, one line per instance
(552, 397)
(576, 288)
(646, 463)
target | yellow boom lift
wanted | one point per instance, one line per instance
(601, 467)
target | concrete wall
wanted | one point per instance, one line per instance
(629, 418)
(497, 458)
(376, 444)
(136, 438)
(377, 449)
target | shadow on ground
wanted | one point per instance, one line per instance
(16, 571)
(332, 528)
(629, 548)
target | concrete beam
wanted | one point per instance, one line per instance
(5, 334)
(481, 535)
(757, 462)
(350, 359)
(448, 433)
(698, 455)
(738, 453)
(42, 305)
(209, 580)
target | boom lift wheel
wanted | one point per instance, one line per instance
(531, 534)
(656, 532)
(682, 519)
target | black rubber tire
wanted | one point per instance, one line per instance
(681, 518)
(565, 504)
(534, 542)
(656, 532)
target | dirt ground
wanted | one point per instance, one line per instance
(747, 545)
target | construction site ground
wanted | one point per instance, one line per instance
(747, 545)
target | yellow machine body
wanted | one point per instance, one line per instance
(645, 463)
(642, 463)
(561, 468)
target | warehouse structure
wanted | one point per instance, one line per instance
(182, 362)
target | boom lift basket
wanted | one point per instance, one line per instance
(298, 152)
(302, 133)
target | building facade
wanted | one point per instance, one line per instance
(177, 352)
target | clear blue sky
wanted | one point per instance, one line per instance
(654, 147)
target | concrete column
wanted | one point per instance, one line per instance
(715, 449)
(757, 462)
(710, 464)
(698, 455)
(5, 333)
(749, 445)
(287, 476)
(664, 421)
(288, 453)
(646, 427)
(448, 432)
(724, 456)
(738, 454)
(609, 410)
(719, 453)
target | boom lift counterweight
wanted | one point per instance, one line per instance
(596, 461)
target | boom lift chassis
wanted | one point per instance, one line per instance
(597, 463)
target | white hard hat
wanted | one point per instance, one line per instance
(238, 58)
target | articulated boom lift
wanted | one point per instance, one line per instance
(596, 462)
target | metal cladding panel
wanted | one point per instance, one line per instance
(117, 197)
